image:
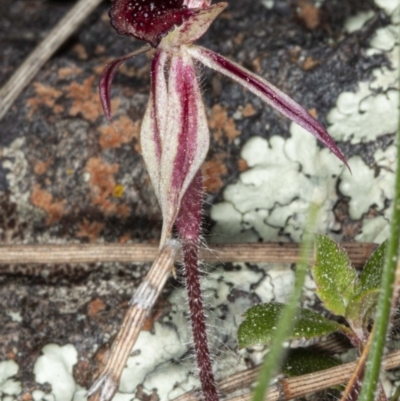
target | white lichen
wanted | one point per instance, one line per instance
(54, 366)
(8, 386)
(356, 22)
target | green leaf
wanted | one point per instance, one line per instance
(260, 324)
(303, 361)
(362, 306)
(284, 327)
(334, 276)
(371, 275)
(360, 310)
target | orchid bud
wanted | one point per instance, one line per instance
(174, 135)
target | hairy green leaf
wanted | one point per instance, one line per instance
(360, 310)
(362, 306)
(371, 275)
(334, 276)
(301, 361)
(260, 324)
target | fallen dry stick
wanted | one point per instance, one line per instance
(286, 389)
(141, 303)
(54, 39)
(93, 253)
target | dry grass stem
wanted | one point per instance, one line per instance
(93, 253)
(333, 344)
(353, 386)
(39, 56)
(286, 389)
(140, 305)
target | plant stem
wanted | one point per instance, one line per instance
(189, 224)
(285, 324)
(354, 384)
(386, 293)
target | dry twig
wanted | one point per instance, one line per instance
(39, 56)
(141, 303)
(92, 253)
(286, 389)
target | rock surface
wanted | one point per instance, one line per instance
(66, 176)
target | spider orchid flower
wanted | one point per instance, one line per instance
(174, 133)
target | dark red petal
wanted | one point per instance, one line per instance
(107, 76)
(148, 20)
(269, 93)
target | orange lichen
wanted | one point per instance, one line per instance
(124, 238)
(89, 230)
(95, 306)
(212, 171)
(313, 112)
(12, 354)
(127, 130)
(222, 124)
(81, 371)
(309, 63)
(308, 13)
(41, 167)
(238, 39)
(294, 53)
(257, 65)
(99, 68)
(128, 70)
(80, 51)
(45, 95)
(26, 397)
(242, 165)
(67, 72)
(86, 101)
(149, 322)
(102, 185)
(123, 210)
(100, 49)
(44, 200)
(230, 129)
(98, 362)
(102, 182)
(248, 110)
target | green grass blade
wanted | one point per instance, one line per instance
(284, 326)
(385, 297)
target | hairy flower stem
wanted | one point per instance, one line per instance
(188, 224)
